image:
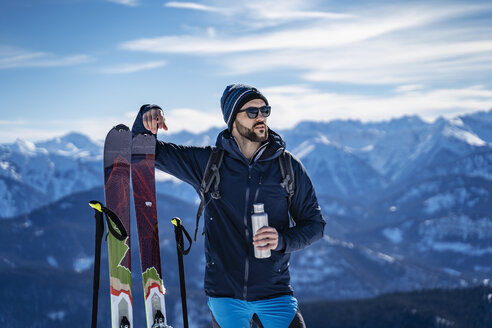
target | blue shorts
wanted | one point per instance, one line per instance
(233, 313)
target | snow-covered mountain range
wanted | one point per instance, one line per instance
(407, 204)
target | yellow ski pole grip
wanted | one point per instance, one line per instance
(96, 205)
(175, 221)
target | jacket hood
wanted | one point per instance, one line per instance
(274, 146)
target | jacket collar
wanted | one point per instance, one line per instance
(271, 149)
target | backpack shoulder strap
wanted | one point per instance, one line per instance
(288, 178)
(210, 175)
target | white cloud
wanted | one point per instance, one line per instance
(409, 44)
(96, 128)
(291, 104)
(409, 87)
(11, 57)
(192, 120)
(177, 119)
(296, 103)
(195, 6)
(321, 36)
(259, 14)
(129, 3)
(134, 67)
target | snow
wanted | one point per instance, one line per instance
(333, 241)
(394, 235)
(52, 261)
(452, 272)
(479, 268)
(82, 264)
(25, 147)
(466, 136)
(456, 121)
(38, 233)
(57, 315)
(303, 149)
(416, 192)
(460, 227)
(459, 247)
(8, 262)
(334, 208)
(442, 201)
(443, 322)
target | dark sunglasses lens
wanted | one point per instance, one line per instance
(265, 111)
(253, 111)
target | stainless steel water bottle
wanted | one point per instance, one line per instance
(259, 219)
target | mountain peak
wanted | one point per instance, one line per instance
(72, 143)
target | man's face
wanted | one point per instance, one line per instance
(255, 129)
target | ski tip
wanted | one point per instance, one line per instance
(121, 127)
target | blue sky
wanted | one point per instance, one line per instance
(86, 65)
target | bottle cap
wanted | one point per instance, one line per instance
(258, 208)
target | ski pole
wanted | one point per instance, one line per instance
(98, 215)
(179, 230)
(99, 209)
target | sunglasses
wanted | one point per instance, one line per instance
(252, 112)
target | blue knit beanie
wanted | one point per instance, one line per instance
(234, 97)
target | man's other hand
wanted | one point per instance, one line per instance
(154, 120)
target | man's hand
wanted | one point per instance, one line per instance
(153, 120)
(266, 238)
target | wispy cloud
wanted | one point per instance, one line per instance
(196, 6)
(319, 36)
(410, 44)
(261, 14)
(11, 57)
(311, 36)
(133, 67)
(129, 3)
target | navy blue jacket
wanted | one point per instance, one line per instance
(232, 269)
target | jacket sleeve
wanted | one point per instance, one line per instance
(186, 163)
(305, 211)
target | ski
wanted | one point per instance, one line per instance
(117, 159)
(143, 182)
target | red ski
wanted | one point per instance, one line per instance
(143, 182)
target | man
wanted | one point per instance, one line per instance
(238, 284)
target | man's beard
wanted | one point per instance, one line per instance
(250, 134)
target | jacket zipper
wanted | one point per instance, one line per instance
(246, 264)
(246, 261)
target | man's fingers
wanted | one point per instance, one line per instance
(265, 235)
(266, 229)
(154, 120)
(147, 121)
(266, 247)
(162, 122)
